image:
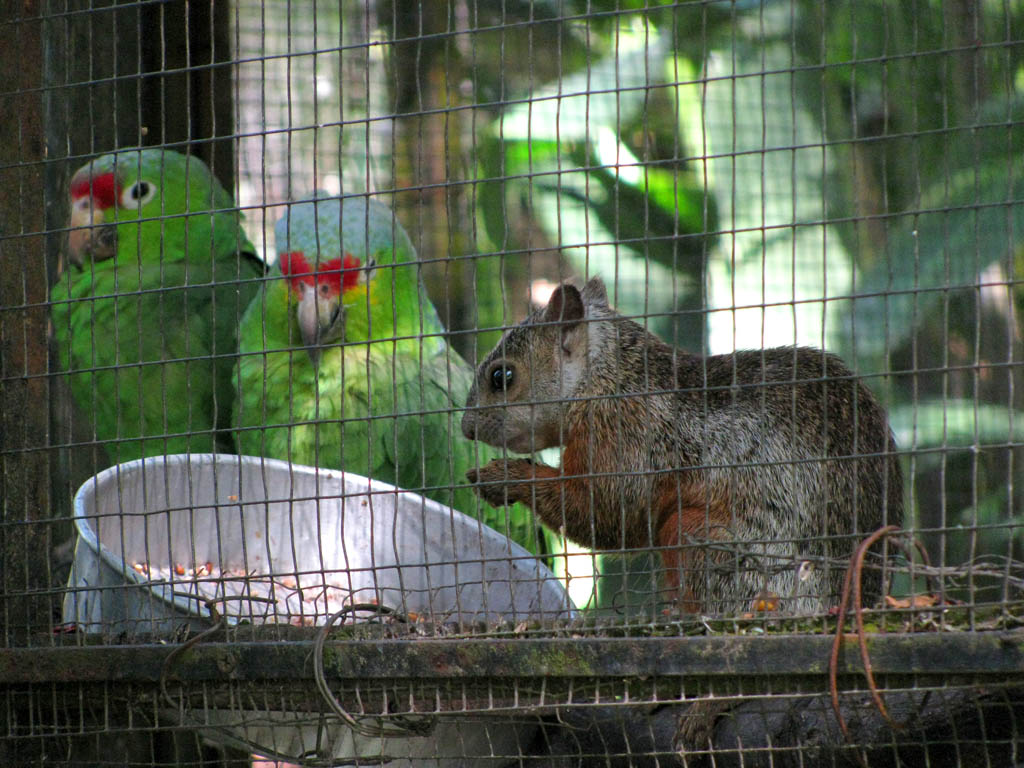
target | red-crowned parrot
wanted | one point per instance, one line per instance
(146, 322)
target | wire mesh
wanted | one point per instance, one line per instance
(292, 288)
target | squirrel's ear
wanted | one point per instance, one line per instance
(564, 306)
(595, 294)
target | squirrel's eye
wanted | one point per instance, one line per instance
(502, 377)
(138, 194)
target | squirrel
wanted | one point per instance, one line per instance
(753, 473)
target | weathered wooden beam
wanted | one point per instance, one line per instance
(772, 659)
(24, 384)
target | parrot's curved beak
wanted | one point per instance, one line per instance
(321, 320)
(90, 235)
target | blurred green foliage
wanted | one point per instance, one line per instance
(591, 159)
(921, 104)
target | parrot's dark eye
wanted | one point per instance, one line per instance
(138, 194)
(502, 377)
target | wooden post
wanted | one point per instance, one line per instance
(143, 74)
(24, 384)
(187, 89)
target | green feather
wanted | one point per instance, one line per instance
(148, 335)
(381, 399)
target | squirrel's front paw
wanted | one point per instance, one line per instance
(498, 483)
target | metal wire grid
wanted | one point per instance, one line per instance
(859, 238)
(944, 724)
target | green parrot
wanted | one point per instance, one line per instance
(146, 323)
(343, 364)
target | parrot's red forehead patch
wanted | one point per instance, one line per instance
(102, 187)
(339, 275)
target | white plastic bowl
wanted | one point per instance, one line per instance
(314, 532)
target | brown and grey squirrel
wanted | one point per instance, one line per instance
(751, 472)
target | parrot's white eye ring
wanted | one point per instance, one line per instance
(138, 194)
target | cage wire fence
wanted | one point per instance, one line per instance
(253, 253)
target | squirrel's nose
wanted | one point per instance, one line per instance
(468, 426)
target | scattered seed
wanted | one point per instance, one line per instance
(765, 602)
